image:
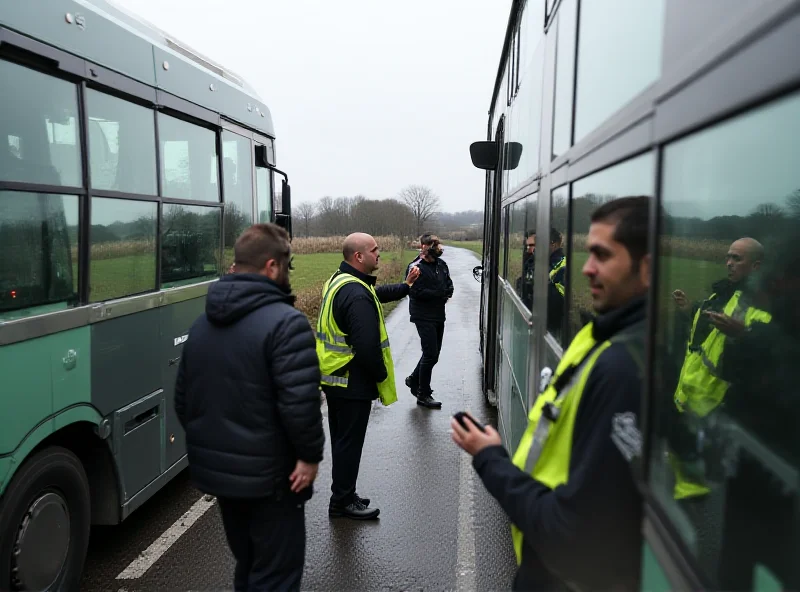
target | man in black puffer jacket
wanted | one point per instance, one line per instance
(247, 395)
(427, 299)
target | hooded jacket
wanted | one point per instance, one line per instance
(429, 294)
(247, 392)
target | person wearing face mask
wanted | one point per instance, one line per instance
(356, 364)
(569, 490)
(247, 396)
(427, 299)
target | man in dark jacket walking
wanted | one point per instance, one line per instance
(247, 395)
(356, 314)
(569, 490)
(427, 299)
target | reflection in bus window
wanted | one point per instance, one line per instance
(39, 242)
(557, 263)
(122, 145)
(519, 264)
(123, 251)
(190, 246)
(632, 177)
(726, 453)
(189, 166)
(237, 171)
(263, 191)
(38, 128)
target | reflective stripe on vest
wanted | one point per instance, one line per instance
(556, 268)
(545, 448)
(333, 351)
(700, 387)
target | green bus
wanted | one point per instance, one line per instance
(696, 104)
(129, 164)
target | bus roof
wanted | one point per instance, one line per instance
(110, 36)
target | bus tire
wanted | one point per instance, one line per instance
(45, 517)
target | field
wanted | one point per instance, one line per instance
(474, 245)
(123, 268)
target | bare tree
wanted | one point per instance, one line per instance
(305, 211)
(423, 204)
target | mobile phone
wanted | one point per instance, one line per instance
(461, 417)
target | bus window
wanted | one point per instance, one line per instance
(186, 150)
(189, 244)
(264, 191)
(725, 454)
(632, 177)
(123, 252)
(38, 128)
(122, 145)
(555, 242)
(520, 263)
(237, 171)
(38, 239)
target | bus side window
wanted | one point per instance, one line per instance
(725, 459)
(237, 184)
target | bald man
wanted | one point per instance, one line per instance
(720, 320)
(356, 363)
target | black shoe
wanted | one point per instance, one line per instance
(363, 500)
(412, 385)
(355, 511)
(429, 402)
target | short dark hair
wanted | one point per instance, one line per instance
(260, 243)
(632, 218)
(555, 235)
(427, 239)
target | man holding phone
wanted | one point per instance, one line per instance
(569, 491)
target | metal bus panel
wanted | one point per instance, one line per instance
(40, 378)
(81, 29)
(125, 363)
(138, 433)
(175, 321)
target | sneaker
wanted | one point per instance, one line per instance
(355, 511)
(429, 402)
(413, 386)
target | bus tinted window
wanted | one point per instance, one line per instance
(189, 164)
(237, 170)
(619, 55)
(123, 253)
(726, 453)
(39, 140)
(565, 72)
(632, 177)
(556, 291)
(264, 191)
(38, 240)
(190, 244)
(520, 264)
(122, 145)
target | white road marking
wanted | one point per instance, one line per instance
(153, 553)
(465, 557)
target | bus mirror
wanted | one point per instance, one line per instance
(261, 157)
(484, 155)
(513, 155)
(477, 273)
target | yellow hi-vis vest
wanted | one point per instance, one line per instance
(700, 387)
(556, 268)
(546, 446)
(333, 351)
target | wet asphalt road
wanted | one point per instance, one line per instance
(438, 528)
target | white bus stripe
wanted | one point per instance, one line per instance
(153, 553)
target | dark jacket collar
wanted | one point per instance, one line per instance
(367, 279)
(556, 256)
(608, 324)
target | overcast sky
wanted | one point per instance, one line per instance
(366, 96)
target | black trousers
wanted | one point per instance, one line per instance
(430, 335)
(348, 419)
(268, 541)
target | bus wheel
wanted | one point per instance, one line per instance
(44, 524)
